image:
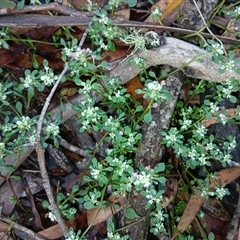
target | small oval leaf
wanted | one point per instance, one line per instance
(131, 213)
(7, 4)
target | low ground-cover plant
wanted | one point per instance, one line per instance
(119, 117)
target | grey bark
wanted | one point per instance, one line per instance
(149, 153)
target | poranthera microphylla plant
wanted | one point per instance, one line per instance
(121, 121)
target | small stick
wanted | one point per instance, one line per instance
(74, 148)
(45, 7)
(21, 228)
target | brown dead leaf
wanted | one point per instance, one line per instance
(55, 231)
(110, 56)
(231, 112)
(166, 6)
(227, 175)
(122, 15)
(5, 236)
(170, 191)
(80, 4)
(194, 204)
(6, 193)
(215, 209)
(4, 227)
(96, 215)
(132, 85)
(224, 176)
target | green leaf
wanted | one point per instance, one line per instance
(139, 109)
(103, 64)
(62, 107)
(45, 204)
(16, 177)
(7, 4)
(148, 117)
(87, 179)
(211, 236)
(30, 95)
(88, 205)
(132, 3)
(8, 169)
(21, 4)
(160, 167)
(60, 197)
(19, 107)
(152, 74)
(233, 99)
(91, 66)
(111, 46)
(162, 179)
(75, 188)
(131, 213)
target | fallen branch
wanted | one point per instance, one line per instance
(17, 226)
(45, 7)
(192, 60)
(41, 157)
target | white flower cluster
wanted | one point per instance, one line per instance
(52, 129)
(229, 66)
(51, 216)
(143, 179)
(48, 77)
(74, 236)
(216, 47)
(2, 148)
(24, 123)
(3, 96)
(200, 131)
(113, 236)
(28, 81)
(221, 192)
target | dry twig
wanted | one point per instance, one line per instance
(21, 228)
(45, 7)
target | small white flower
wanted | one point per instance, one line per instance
(24, 123)
(223, 118)
(2, 94)
(103, 19)
(28, 81)
(154, 86)
(171, 138)
(156, 12)
(95, 173)
(2, 148)
(227, 158)
(209, 146)
(218, 48)
(202, 160)
(232, 144)
(52, 129)
(52, 216)
(201, 130)
(192, 154)
(144, 179)
(186, 123)
(115, 236)
(2, 34)
(48, 78)
(221, 192)
(228, 66)
(213, 107)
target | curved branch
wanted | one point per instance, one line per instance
(192, 60)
